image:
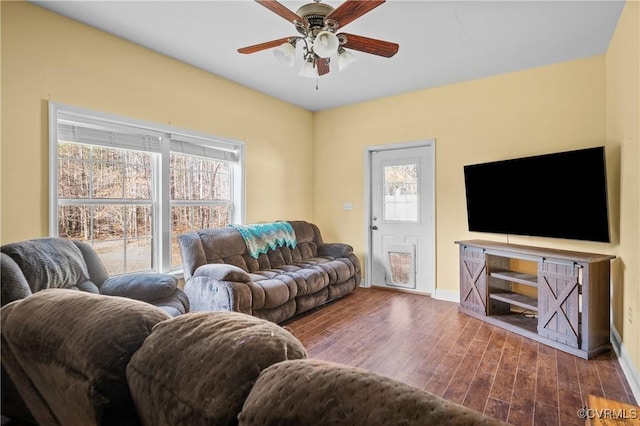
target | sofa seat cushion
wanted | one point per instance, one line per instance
(197, 369)
(278, 288)
(337, 271)
(309, 280)
(301, 279)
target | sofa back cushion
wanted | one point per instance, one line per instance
(74, 348)
(309, 392)
(50, 263)
(198, 369)
(226, 245)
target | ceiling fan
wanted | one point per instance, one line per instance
(317, 23)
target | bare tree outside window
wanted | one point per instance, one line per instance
(105, 197)
(129, 188)
(200, 197)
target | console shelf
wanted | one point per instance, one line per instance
(517, 277)
(516, 299)
(565, 304)
(516, 322)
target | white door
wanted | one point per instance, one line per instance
(402, 218)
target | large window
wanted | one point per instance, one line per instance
(130, 188)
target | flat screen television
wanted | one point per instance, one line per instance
(559, 195)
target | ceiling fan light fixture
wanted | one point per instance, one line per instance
(345, 59)
(318, 23)
(285, 54)
(326, 44)
(308, 70)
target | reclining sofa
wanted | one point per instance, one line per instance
(87, 359)
(286, 269)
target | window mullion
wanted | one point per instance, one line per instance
(163, 247)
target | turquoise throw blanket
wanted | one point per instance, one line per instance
(261, 237)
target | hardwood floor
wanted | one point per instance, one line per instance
(428, 344)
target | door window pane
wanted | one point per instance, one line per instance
(401, 193)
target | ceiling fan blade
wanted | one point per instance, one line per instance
(281, 10)
(323, 66)
(351, 10)
(263, 46)
(370, 45)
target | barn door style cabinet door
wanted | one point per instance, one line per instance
(473, 287)
(559, 302)
(557, 297)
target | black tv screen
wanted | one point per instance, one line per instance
(560, 195)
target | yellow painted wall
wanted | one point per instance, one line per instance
(571, 105)
(623, 133)
(304, 165)
(47, 56)
(536, 111)
(0, 118)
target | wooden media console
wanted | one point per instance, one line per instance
(559, 298)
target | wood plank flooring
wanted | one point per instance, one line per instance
(428, 344)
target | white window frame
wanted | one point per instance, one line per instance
(160, 171)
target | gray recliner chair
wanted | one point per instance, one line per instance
(33, 265)
(27, 267)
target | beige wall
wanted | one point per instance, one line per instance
(582, 103)
(304, 165)
(623, 133)
(542, 110)
(0, 122)
(48, 57)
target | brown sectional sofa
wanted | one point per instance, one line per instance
(88, 359)
(220, 273)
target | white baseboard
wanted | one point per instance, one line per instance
(630, 371)
(448, 295)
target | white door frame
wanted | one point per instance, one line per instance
(367, 203)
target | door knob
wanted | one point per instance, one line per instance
(375, 228)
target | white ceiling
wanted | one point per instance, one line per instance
(441, 42)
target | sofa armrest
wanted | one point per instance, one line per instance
(335, 250)
(222, 272)
(143, 287)
(219, 286)
(192, 253)
(97, 272)
(13, 284)
(207, 295)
